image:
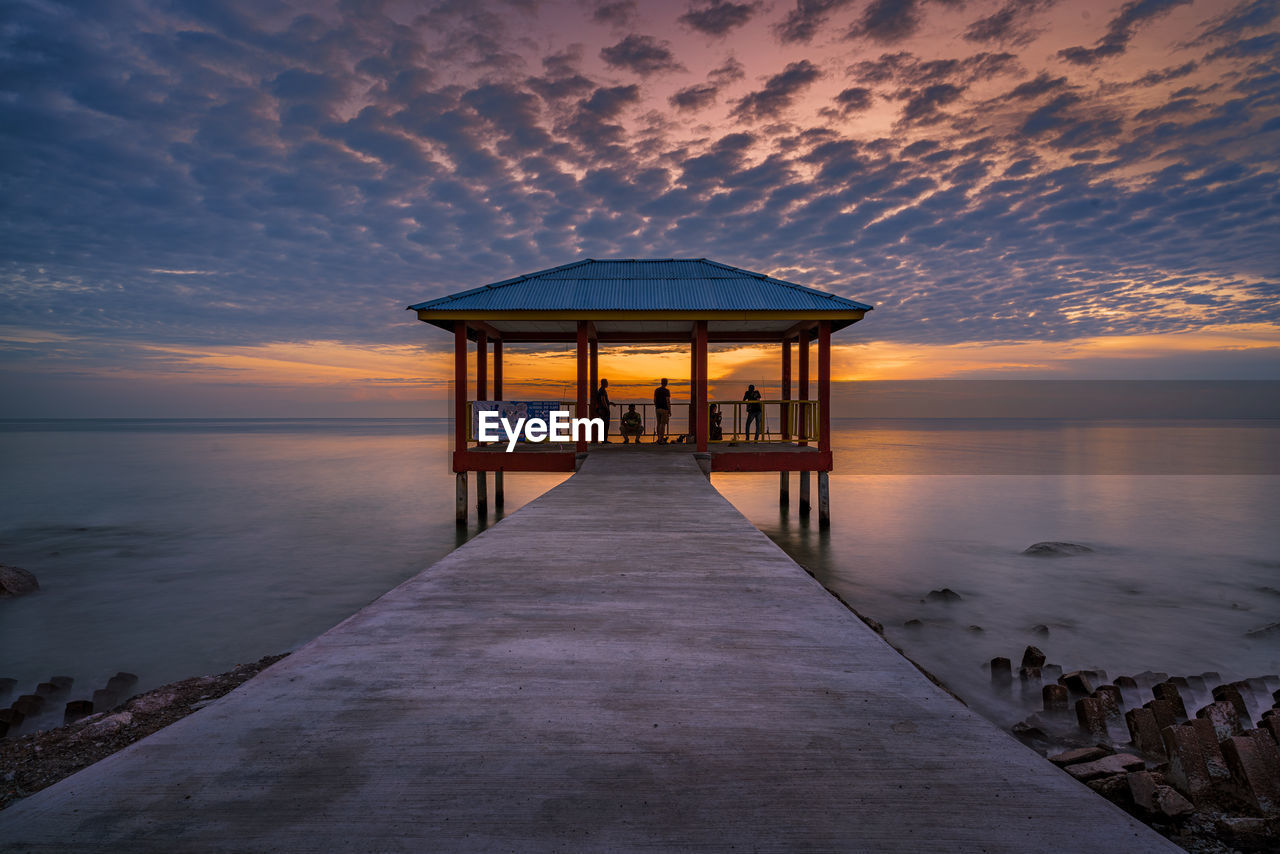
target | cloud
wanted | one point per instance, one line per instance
(718, 17)
(1008, 25)
(778, 93)
(1120, 31)
(855, 99)
(1249, 15)
(802, 22)
(619, 13)
(695, 97)
(643, 55)
(888, 21)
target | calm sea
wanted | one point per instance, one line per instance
(176, 548)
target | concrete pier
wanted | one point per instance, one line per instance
(625, 664)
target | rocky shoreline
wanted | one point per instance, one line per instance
(1206, 778)
(31, 762)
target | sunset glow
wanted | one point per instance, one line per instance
(225, 207)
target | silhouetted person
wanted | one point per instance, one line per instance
(631, 424)
(600, 406)
(662, 407)
(715, 428)
(754, 409)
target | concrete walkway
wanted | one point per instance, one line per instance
(625, 664)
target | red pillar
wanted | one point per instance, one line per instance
(786, 388)
(482, 366)
(582, 380)
(693, 382)
(824, 385)
(497, 369)
(804, 382)
(595, 364)
(459, 387)
(700, 356)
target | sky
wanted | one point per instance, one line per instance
(223, 208)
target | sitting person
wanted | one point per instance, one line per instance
(632, 425)
(714, 429)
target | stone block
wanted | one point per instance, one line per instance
(10, 720)
(1210, 748)
(1051, 671)
(1168, 692)
(1211, 677)
(1251, 776)
(1092, 717)
(1078, 755)
(1001, 671)
(1107, 766)
(1231, 694)
(104, 699)
(1055, 699)
(1077, 682)
(1145, 733)
(1109, 697)
(1187, 769)
(1271, 725)
(29, 705)
(75, 710)
(1224, 717)
(1163, 712)
(1196, 684)
(1033, 657)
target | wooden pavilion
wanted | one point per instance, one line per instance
(667, 301)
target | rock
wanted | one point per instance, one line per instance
(6, 687)
(1263, 631)
(1033, 657)
(76, 710)
(1169, 803)
(152, 702)
(913, 624)
(1080, 754)
(1187, 770)
(1145, 732)
(1092, 717)
(1210, 748)
(15, 581)
(1224, 717)
(1077, 682)
(1109, 697)
(106, 725)
(1040, 629)
(1163, 712)
(1255, 771)
(946, 594)
(1055, 698)
(1142, 788)
(1119, 763)
(975, 628)
(1001, 671)
(1054, 549)
(1030, 734)
(1168, 692)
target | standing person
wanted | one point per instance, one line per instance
(662, 407)
(754, 408)
(600, 406)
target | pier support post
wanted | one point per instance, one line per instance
(784, 487)
(460, 505)
(824, 498)
(804, 493)
(498, 496)
(482, 493)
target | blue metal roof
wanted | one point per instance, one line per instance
(667, 284)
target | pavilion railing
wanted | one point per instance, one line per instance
(781, 421)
